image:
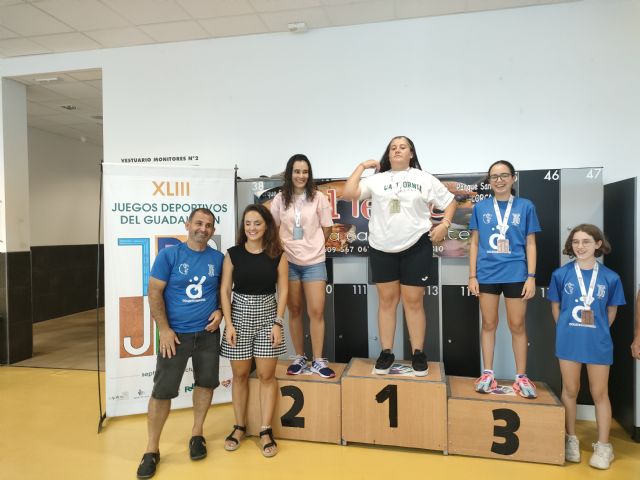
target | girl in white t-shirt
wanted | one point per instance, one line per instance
(303, 215)
(400, 236)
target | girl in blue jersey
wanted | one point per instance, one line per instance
(502, 260)
(584, 299)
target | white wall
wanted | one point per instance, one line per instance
(64, 182)
(546, 86)
(552, 86)
(14, 195)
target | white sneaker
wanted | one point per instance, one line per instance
(602, 455)
(571, 449)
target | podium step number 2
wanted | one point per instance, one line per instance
(307, 406)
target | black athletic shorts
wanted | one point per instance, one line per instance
(510, 290)
(411, 266)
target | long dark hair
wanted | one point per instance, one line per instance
(507, 164)
(271, 239)
(595, 233)
(385, 164)
(287, 189)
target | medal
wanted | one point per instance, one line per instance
(298, 232)
(394, 205)
(503, 245)
(503, 225)
(586, 296)
(587, 317)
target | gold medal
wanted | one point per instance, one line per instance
(394, 205)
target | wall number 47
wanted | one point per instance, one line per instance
(594, 173)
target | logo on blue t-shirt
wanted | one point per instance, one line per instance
(183, 268)
(194, 291)
(515, 219)
(212, 270)
(486, 218)
(568, 288)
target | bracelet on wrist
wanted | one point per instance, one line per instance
(472, 276)
(445, 219)
(279, 321)
(531, 275)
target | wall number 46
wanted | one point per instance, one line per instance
(552, 175)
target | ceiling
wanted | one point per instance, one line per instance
(33, 27)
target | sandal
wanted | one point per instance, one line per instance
(271, 444)
(235, 442)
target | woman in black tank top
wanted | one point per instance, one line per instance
(255, 271)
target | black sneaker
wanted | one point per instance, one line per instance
(147, 467)
(197, 448)
(419, 363)
(384, 362)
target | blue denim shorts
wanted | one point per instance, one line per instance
(308, 273)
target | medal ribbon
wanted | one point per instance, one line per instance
(587, 297)
(297, 208)
(394, 185)
(503, 223)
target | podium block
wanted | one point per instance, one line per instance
(405, 411)
(504, 426)
(307, 406)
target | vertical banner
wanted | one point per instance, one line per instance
(145, 209)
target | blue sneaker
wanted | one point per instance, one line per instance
(321, 367)
(298, 365)
(486, 383)
(525, 387)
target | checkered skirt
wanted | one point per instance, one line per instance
(252, 316)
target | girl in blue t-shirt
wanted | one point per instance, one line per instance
(502, 260)
(584, 299)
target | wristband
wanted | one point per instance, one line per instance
(472, 276)
(445, 219)
(531, 275)
(279, 321)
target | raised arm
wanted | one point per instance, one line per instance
(352, 185)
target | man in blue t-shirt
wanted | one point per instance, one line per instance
(184, 292)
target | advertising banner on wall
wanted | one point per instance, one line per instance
(350, 232)
(145, 209)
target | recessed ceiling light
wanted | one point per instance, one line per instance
(297, 27)
(46, 79)
(69, 107)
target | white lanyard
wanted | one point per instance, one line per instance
(587, 297)
(394, 185)
(297, 209)
(503, 224)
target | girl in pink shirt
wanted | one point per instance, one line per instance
(304, 217)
